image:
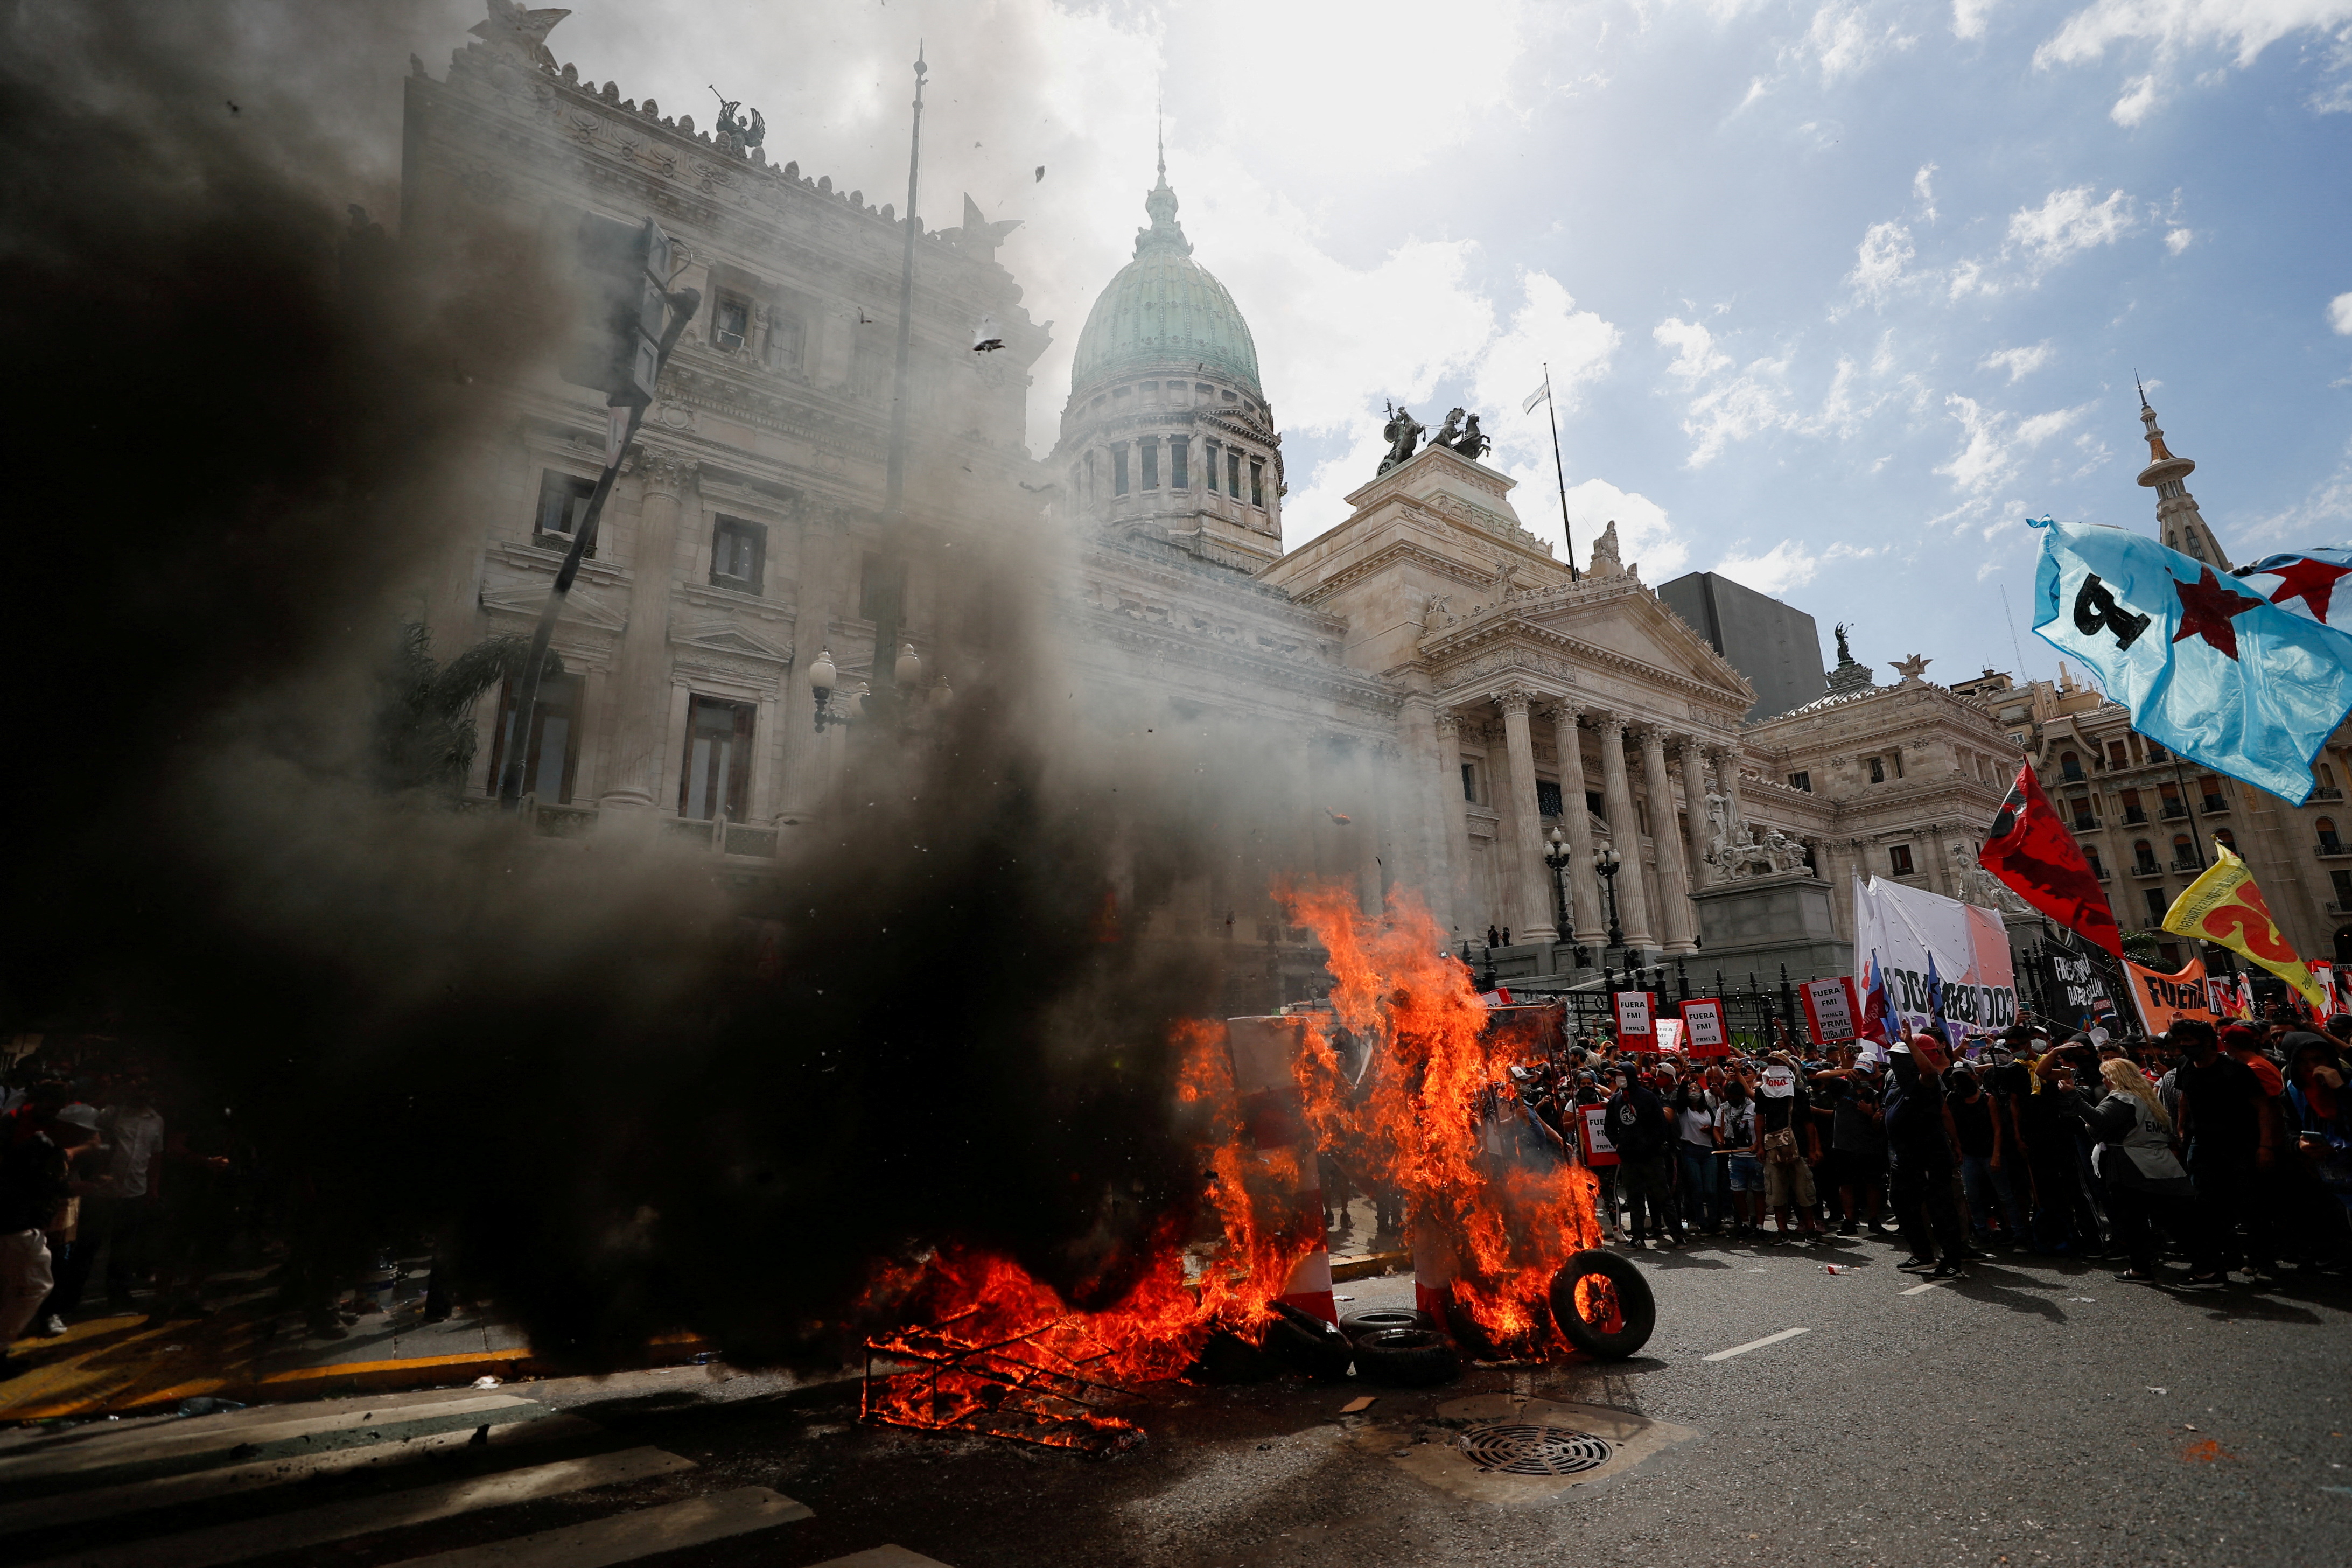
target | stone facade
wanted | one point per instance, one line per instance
(1416, 699)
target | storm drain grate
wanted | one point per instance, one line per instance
(1524, 1450)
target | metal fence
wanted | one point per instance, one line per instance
(1753, 1004)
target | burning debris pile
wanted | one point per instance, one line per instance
(1500, 1242)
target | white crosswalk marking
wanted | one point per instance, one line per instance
(159, 1491)
(625, 1537)
(221, 1543)
(239, 1427)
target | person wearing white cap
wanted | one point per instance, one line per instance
(33, 1181)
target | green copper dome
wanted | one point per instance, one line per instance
(1164, 310)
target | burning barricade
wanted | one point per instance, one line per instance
(1407, 1082)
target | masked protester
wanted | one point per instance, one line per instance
(1638, 1126)
(1789, 1145)
(2232, 1133)
(1920, 1158)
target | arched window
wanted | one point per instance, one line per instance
(2070, 765)
(2329, 843)
(2143, 855)
(2228, 839)
(2184, 853)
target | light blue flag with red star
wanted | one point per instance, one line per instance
(2218, 674)
(2305, 582)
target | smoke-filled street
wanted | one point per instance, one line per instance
(911, 785)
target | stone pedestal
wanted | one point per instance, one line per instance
(1759, 923)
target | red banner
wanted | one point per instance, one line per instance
(1832, 1009)
(1709, 1035)
(1635, 1011)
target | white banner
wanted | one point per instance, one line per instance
(1906, 929)
(1633, 1011)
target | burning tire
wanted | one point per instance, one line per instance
(1356, 1325)
(1407, 1357)
(1306, 1343)
(1602, 1305)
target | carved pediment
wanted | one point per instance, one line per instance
(727, 638)
(1635, 627)
(581, 608)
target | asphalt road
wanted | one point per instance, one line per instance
(2038, 1413)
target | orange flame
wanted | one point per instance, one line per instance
(1002, 1352)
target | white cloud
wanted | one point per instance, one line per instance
(1922, 188)
(2339, 314)
(1696, 356)
(1969, 18)
(1881, 259)
(1842, 41)
(2176, 240)
(1645, 536)
(1786, 565)
(2019, 363)
(1996, 443)
(2171, 30)
(2069, 222)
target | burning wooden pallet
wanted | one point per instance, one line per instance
(1029, 1387)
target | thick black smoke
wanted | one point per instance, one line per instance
(237, 444)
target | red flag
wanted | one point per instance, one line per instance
(2031, 851)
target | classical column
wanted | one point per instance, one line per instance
(1674, 882)
(1452, 824)
(1423, 793)
(1585, 914)
(1525, 880)
(1693, 760)
(641, 671)
(1624, 833)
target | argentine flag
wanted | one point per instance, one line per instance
(2218, 675)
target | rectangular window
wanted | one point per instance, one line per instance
(1233, 471)
(1470, 782)
(718, 775)
(1150, 444)
(2082, 818)
(2342, 882)
(563, 508)
(1203, 392)
(2133, 810)
(731, 325)
(787, 340)
(2116, 757)
(1878, 770)
(555, 752)
(1547, 798)
(881, 586)
(1898, 859)
(1179, 477)
(2157, 904)
(1257, 483)
(1119, 468)
(1803, 781)
(2091, 857)
(1209, 464)
(1592, 804)
(737, 551)
(2155, 753)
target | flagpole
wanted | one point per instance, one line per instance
(1567, 536)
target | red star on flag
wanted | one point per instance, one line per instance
(2206, 608)
(2312, 581)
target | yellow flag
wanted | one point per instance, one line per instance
(2224, 907)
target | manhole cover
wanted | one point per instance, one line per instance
(1524, 1450)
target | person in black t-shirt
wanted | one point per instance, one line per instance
(1974, 1122)
(2231, 1129)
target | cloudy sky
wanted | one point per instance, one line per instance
(1834, 295)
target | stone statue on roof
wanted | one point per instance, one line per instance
(1472, 444)
(511, 27)
(1403, 434)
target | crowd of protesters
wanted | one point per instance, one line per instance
(2230, 1149)
(121, 1193)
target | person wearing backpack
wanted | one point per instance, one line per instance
(1637, 1125)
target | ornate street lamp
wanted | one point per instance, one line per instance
(1556, 857)
(906, 678)
(1606, 860)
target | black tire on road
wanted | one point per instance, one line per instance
(1356, 1324)
(1407, 1358)
(1631, 1312)
(1306, 1343)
